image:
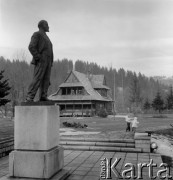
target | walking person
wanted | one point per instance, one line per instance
(128, 119)
(42, 51)
(135, 123)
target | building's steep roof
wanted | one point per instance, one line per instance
(88, 83)
(99, 86)
(98, 79)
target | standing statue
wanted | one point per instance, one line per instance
(42, 51)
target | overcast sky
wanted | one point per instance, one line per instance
(132, 34)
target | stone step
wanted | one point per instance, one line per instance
(98, 140)
(106, 144)
(102, 148)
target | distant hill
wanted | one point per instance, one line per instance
(168, 81)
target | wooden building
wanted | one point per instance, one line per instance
(83, 95)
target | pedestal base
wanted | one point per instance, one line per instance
(36, 164)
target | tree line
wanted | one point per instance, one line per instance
(159, 103)
(129, 89)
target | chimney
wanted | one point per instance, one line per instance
(74, 66)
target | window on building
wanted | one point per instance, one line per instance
(63, 91)
(72, 92)
(68, 91)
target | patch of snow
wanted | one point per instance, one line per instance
(70, 131)
(67, 133)
(67, 129)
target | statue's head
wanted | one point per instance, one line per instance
(43, 24)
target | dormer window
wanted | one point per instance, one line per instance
(71, 91)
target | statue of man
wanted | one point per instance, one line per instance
(42, 51)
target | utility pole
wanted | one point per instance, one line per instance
(122, 91)
(114, 94)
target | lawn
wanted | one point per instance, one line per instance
(103, 125)
(146, 122)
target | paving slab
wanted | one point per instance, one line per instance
(83, 165)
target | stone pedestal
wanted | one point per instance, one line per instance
(34, 164)
(36, 127)
(37, 152)
(143, 141)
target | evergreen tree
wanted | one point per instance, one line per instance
(135, 92)
(147, 104)
(4, 89)
(169, 99)
(158, 103)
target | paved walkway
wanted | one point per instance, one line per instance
(85, 165)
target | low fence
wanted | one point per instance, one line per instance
(6, 146)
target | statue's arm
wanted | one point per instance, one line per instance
(33, 46)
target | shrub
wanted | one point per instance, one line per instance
(74, 124)
(102, 113)
(87, 113)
